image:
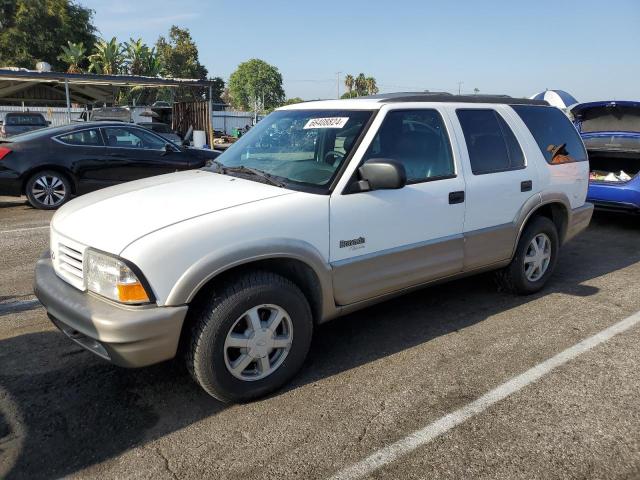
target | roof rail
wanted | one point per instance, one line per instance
(450, 98)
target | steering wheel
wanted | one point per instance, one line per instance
(337, 157)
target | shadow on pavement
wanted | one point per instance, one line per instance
(78, 411)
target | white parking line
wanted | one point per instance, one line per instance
(421, 437)
(26, 229)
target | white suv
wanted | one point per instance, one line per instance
(322, 209)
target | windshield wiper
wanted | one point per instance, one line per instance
(248, 171)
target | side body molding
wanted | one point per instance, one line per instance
(235, 255)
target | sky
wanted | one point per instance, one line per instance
(519, 47)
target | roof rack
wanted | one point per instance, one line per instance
(450, 98)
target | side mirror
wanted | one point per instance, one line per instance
(167, 149)
(380, 174)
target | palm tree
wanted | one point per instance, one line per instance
(348, 83)
(135, 56)
(476, 90)
(107, 58)
(361, 84)
(153, 63)
(73, 55)
(372, 87)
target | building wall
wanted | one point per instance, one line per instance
(227, 121)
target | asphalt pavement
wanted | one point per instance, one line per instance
(373, 379)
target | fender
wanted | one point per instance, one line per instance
(533, 205)
(235, 255)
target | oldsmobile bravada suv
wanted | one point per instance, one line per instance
(321, 209)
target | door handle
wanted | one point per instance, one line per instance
(526, 186)
(456, 197)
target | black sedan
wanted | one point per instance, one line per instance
(51, 165)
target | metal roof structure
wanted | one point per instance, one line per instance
(30, 86)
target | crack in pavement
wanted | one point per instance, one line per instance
(167, 465)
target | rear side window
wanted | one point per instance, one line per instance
(83, 137)
(491, 144)
(556, 136)
(25, 120)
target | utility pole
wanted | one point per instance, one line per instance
(460, 87)
(338, 84)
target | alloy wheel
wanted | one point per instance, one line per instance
(258, 342)
(537, 257)
(49, 190)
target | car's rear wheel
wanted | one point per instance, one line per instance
(534, 260)
(48, 189)
(250, 337)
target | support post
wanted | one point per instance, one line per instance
(66, 91)
(211, 117)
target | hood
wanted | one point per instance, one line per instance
(112, 218)
(611, 116)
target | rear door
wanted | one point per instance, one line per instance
(136, 153)
(499, 181)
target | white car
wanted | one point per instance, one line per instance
(320, 210)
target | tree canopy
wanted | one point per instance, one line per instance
(35, 30)
(256, 85)
(179, 55)
(359, 86)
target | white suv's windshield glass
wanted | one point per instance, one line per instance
(299, 146)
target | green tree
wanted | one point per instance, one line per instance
(291, 101)
(256, 85)
(372, 86)
(348, 83)
(361, 84)
(107, 58)
(179, 55)
(135, 54)
(34, 30)
(73, 55)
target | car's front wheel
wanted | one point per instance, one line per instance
(48, 189)
(250, 337)
(535, 258)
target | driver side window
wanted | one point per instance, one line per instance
(129, 138)
(417, 139)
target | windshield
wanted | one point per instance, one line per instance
(25, 120)
(303, 147)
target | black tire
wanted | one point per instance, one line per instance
(513, 277)
(216, 315)
(55, 189)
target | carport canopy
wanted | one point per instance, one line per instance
(18, 85)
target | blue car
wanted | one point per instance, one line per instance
(611, 132)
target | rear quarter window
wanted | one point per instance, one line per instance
(554, 133)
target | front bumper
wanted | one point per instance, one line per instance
(126, 336)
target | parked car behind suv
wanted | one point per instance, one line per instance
(319, 210)
(163, 130)
(611, 133)
(50, 166)
(15, 123)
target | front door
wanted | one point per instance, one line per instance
(387, 240)
(136, 153)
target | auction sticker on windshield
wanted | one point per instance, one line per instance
(327, 122)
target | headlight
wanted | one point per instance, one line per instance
(112, 278)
